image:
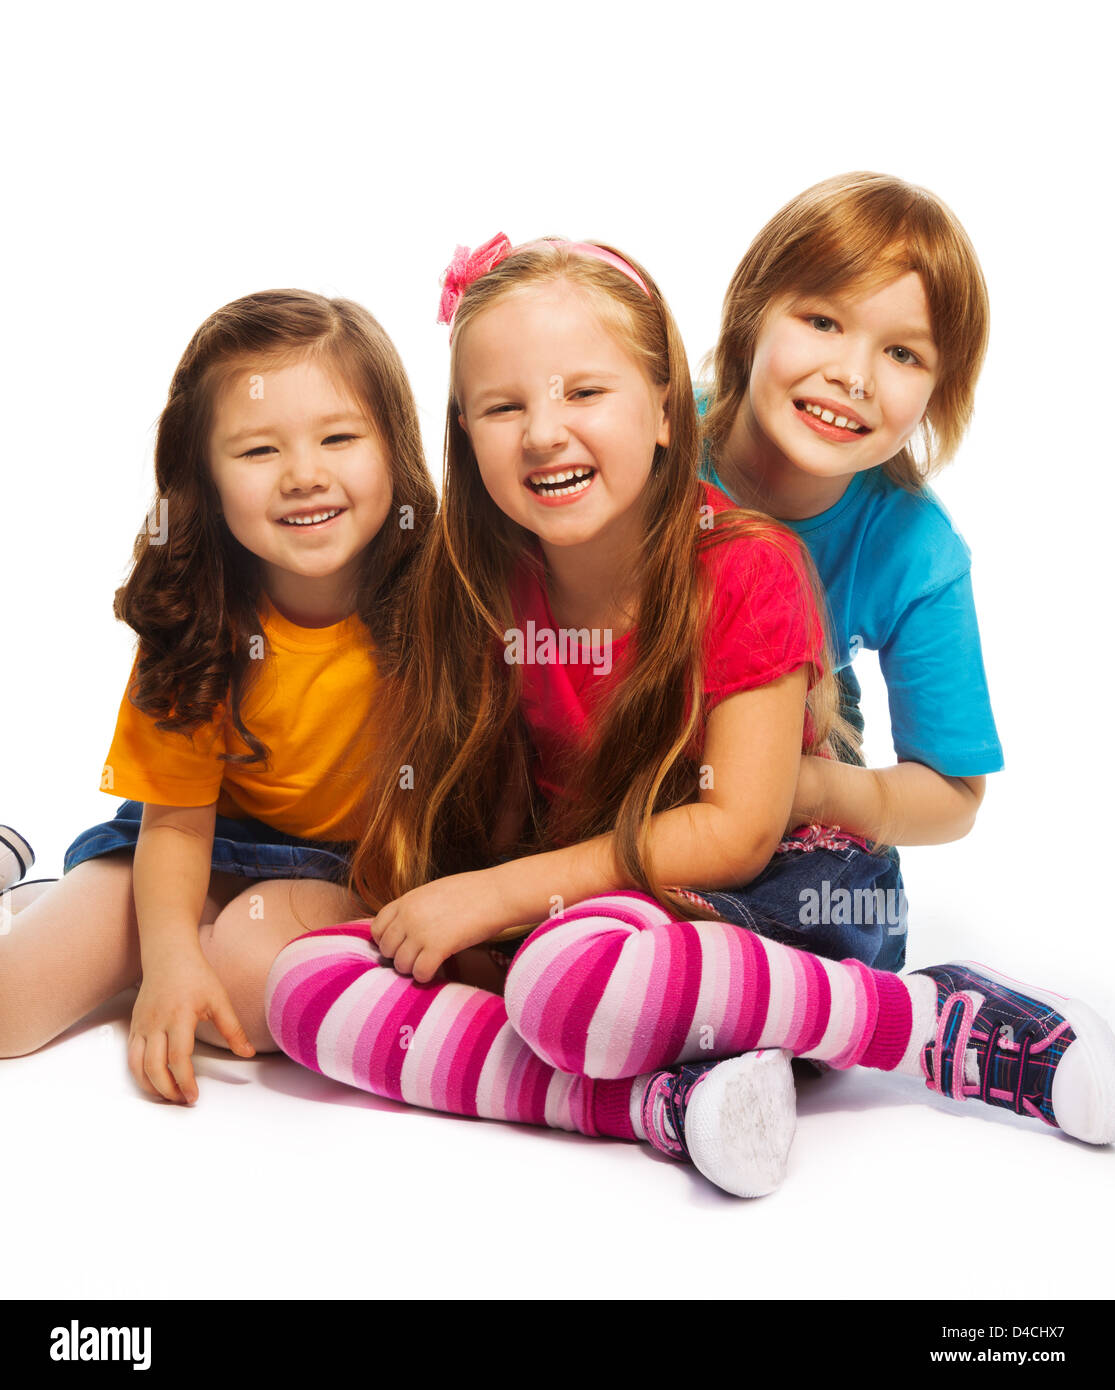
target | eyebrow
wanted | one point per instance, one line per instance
(840, 301)
(238, 438)
(589, 374)
(916, 335)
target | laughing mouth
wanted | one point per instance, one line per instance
(311, 518)
(561, 482)
(831, 417)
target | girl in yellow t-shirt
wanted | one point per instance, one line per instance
(291, 495)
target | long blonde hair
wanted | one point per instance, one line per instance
(452, 718)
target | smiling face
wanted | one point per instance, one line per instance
(303, 480)
(839, 382)
(562, 419)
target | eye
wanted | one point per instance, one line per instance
(501, 409)
(821, 322)
(908, 359)
(258, 452)
(338, 438)
(585, 392)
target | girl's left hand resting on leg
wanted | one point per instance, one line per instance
(423, 928)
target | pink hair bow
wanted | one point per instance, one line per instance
(465, 267)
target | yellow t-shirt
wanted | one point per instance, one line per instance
(311, 704)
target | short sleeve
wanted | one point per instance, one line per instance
(165, 768)
(940, 709)
(764, 620)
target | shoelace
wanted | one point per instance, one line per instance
(945, 1071)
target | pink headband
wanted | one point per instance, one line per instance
(468, 266)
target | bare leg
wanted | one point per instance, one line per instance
(23, 895)
(74, 946)
(247, 935)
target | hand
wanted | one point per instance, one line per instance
(420, 930)
(174, 995)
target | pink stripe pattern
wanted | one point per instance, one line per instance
(597, 1000)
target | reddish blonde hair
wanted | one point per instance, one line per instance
(853, 232)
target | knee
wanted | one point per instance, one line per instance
(308, 974)
(22, 1031)
(567, 991)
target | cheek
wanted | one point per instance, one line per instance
(910, 402)
(780, 363)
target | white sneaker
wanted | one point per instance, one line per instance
(734, 1119)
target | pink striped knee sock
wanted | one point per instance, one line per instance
(617, 987)
(605, 995)
(334, 1005)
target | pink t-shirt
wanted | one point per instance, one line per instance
(762, 623)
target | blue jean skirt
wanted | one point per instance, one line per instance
(832, 899)
(246, 847)
(837, 901)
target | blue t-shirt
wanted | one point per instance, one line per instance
(898, 578)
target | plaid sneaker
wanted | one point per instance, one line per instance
(16, 857)
(733, 1120)
(1024, 1049)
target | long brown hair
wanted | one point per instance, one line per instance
(852, 231)
(193, 598)
(454, 750)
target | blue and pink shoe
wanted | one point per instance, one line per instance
(1023, 1049)
(733, 1120)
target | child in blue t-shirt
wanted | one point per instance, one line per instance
(854, 329)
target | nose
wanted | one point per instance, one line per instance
(304, 469)
(544, 427)
(850, 367)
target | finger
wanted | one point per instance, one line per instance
(154, 1065)
(224, 1016)
(427, 964)
(137, 1045)
(379, 924)
(180, 1050)
(404, 958)
(392, 940)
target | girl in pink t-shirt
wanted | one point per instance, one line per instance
(597, 726)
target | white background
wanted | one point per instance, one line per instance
(162, 160)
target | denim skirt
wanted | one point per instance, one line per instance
(246, 847)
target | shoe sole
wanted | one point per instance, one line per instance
(740, 1123)
(1098, 1045)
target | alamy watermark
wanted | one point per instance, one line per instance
(77, 1343)
(859, 907)
(565, 646)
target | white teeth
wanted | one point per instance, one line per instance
(311, 520)
(581, 476)
(841, 421)
(563, 477)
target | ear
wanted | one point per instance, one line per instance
(663, 435)
(463, 423)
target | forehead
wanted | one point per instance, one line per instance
(552, 322)
(271, 387)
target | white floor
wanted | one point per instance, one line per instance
(280, 1183)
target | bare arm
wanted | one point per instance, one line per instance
(170, 877)
(751, 758)
(752, 748)
(173, 859)
(908, 804)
